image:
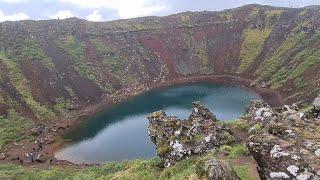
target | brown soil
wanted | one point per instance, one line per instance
(17, 152)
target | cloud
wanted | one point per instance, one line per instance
(124, 8)
(62, 15)
(13, 1)
(13, 17)
(95, 16)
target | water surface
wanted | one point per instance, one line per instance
(120, 132)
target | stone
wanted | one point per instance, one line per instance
(317, 153)
(316, 101)
(177, 139)
(279, 175)
(288, 147)
(293, 170)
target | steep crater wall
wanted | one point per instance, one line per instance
(56, 66)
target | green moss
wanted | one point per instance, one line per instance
(101, 48)
(21, 84)
(242, 172)
(225, 148)
(269, 67)
(308, 58)
(115, 64)
(163, 148)
(203, 60)
(241, 124)
(253, 14)
(62, 105)
(76, 51)
(253, 41)
(11, 127)
(185, 19)
(239, 150)
(255, 128)
(226, 14)
(270, 14)
(300, 63)
(199, 137)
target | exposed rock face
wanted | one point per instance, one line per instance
(177, 139)
(288, 144)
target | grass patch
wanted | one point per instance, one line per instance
(31, 50)
(199, 137)
(22, 85)
(11, 127)
(242, 172)
(76, 51)
(270, 65)
(137, 169)
(241, 124)
(253, 41)
(239, 150)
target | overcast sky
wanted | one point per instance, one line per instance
(103, 10)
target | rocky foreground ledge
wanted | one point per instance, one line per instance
(285, 142)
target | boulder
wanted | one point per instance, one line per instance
(288, 146)
(176, 139)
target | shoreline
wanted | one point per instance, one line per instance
(61, 125)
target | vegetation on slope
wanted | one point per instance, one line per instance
(270, 65)
(11, 128)
(253, 41)
(31, 50)
(75, 50)
(21, 84)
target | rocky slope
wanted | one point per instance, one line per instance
(50, 66)
(283, 141)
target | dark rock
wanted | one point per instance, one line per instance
(200, 111)
(177, 139)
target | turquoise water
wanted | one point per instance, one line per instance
(120, 132)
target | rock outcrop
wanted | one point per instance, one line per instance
(177, 139)
(287, 144)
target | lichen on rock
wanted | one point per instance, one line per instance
(287, 146)
(177, 139)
